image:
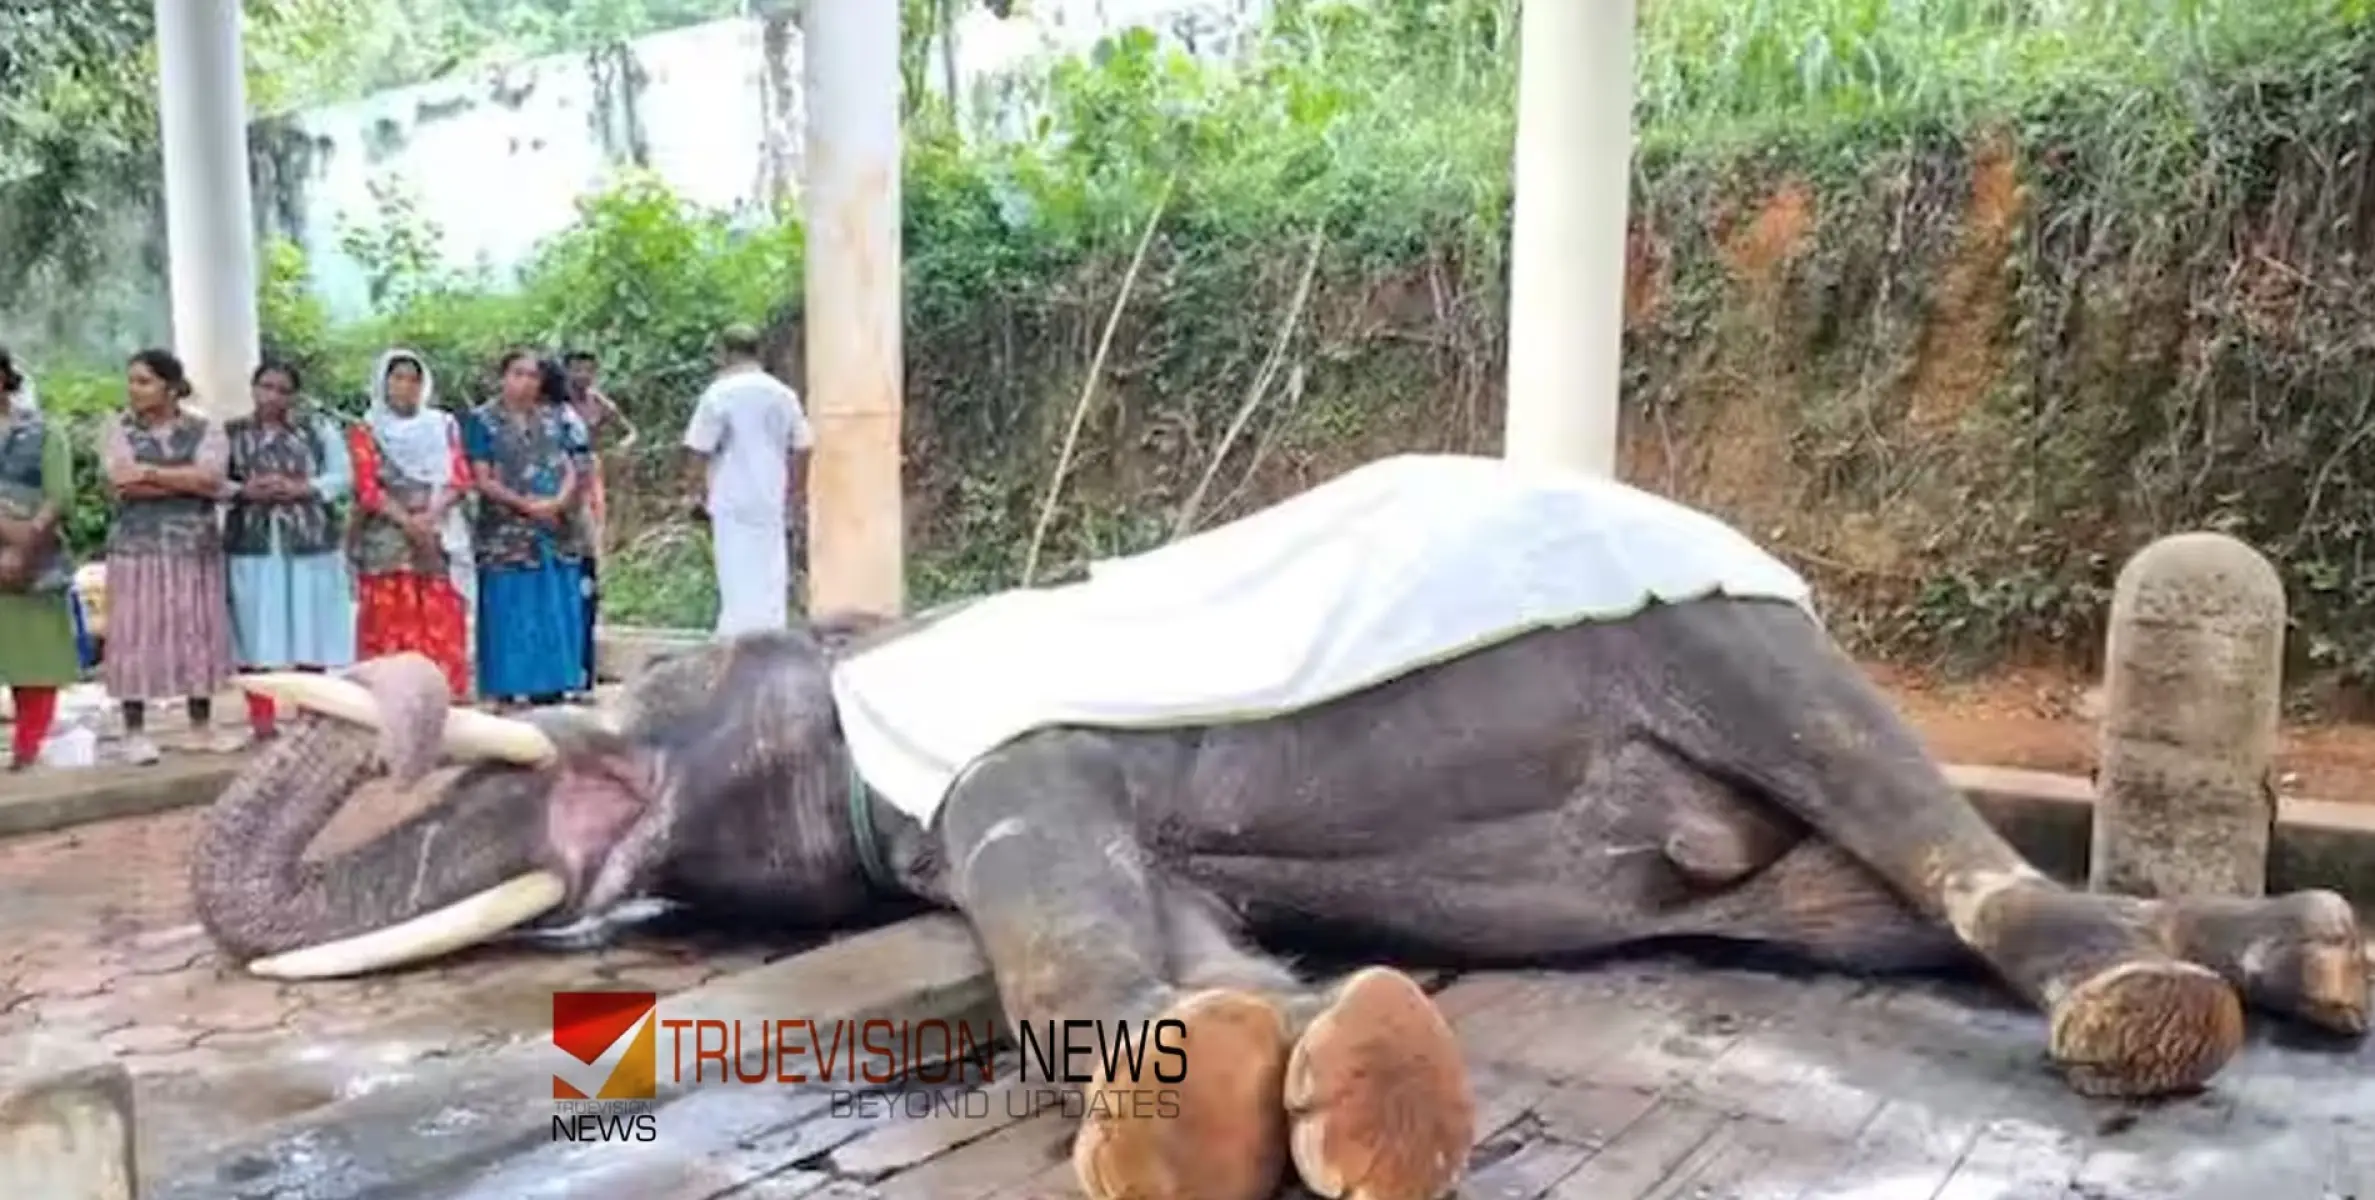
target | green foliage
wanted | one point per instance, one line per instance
(323, 51)
(71, 132)
(2003, 390)
(75, 400)
(643, 276)
(400, 250)
(651, 282)
(1955, 302)
(78, 116)
(2194, 338)
(286, 306)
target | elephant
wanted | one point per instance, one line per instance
(1702, 762)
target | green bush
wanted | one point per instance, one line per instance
(1959, 422)
(75, 399)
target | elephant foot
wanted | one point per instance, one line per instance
(2145, 1028)
(2321, 984)
(2300, 955)
(1378, 1095)
(1223, 1137)
(2127, 1016)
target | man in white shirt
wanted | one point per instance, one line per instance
(750, 440)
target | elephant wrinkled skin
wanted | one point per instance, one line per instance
(1710, 769)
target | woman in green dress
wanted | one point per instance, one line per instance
(37, 651)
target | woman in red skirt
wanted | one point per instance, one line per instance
(414, 573)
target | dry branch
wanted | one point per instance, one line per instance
(1261, 385)
(1088, 387)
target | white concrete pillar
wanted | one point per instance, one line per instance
(209, 211)
(854, 310)
(1567, 235)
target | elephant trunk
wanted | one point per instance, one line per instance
(467, 867)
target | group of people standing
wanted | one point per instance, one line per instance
(289, 539)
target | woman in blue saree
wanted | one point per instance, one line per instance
(531, 604)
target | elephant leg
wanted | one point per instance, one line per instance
(1049, 870)
(1768, 697)
(1376, 1092)
(1818, 904)
(1708, 829)
(2300, 955)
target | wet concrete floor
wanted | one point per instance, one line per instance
(102, 947)
(1656, 1080)
(1649, 1079)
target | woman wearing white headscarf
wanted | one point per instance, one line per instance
(413, 567)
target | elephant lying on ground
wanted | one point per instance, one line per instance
(1708, 767)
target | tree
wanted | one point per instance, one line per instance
(78, 117)
(75, 126)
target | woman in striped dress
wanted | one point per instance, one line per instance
(169, 609)
(411, 541)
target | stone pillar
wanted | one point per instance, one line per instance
(2192, 681)
(1573, 179)
(856, 533)
(210, 232)
(66, 1123)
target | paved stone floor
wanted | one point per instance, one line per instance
(1655, 1080)
(101, 945)
(1677, 1083)
(168, 723)
(1634, 1080)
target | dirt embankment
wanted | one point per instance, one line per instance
(1937, 381)
(2039, 719)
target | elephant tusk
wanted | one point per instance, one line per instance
(464, 923)
(469, 734)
